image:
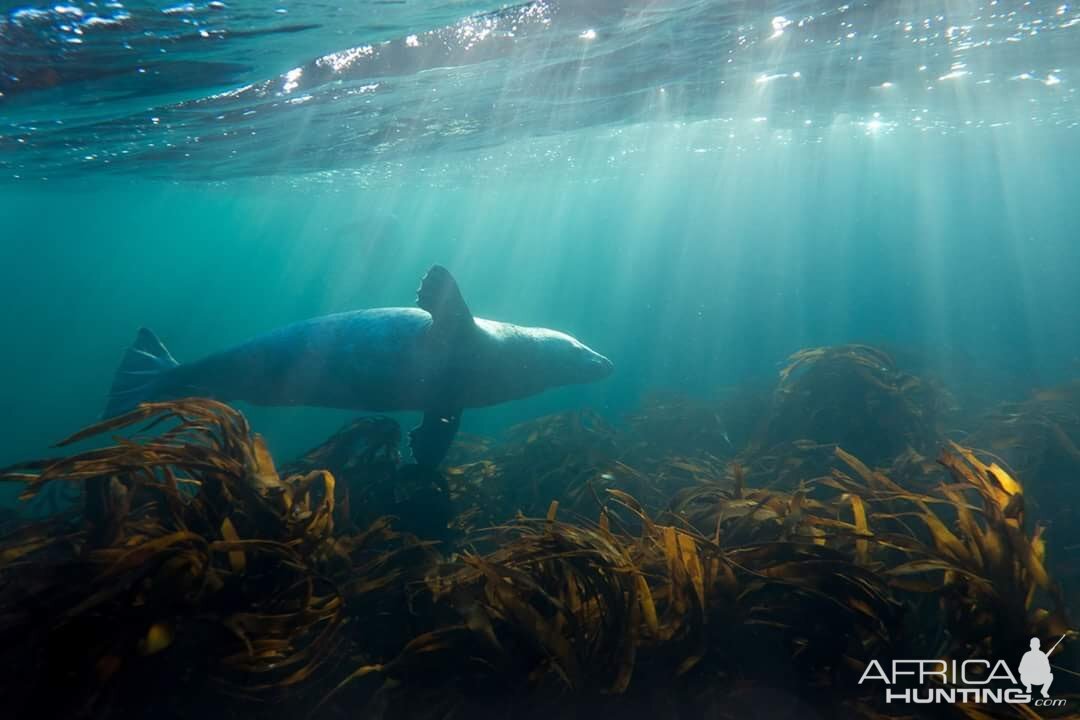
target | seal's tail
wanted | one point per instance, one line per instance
(140, 374)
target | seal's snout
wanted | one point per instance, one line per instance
(601, 366)
(607, 366)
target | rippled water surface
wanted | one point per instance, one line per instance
(239, 88)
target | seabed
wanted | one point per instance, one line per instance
(674, 565)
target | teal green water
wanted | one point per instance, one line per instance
(692, 271)
(877, 176)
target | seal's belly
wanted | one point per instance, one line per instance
(372, 360)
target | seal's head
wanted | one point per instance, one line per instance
(565, 360)
(515, 362)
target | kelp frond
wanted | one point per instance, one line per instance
(579, 567)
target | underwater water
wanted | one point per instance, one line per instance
(696, 189)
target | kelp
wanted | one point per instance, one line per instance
(857, 397)
(575, 457)
(1039, 437)
(363, 457)
(967, 544)
(561, 614)
(567, 456)
(670, 424)
(194, 571)
(573, 566)
(809, 585)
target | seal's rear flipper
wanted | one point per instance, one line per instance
(140, 373)
(431, 440)
(439, 295)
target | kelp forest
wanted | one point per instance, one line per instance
(748, 555)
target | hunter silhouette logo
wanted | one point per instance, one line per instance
(927, 682)
(1035, 667)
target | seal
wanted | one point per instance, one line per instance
(436, 358)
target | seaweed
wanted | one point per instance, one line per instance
(1039, 438)
(193, 571)
(1040, 434)
(857, 397)
(982, 563)
(648, 568)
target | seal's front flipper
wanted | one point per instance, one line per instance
(431, 440)
(451, 324)
(439, 295)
